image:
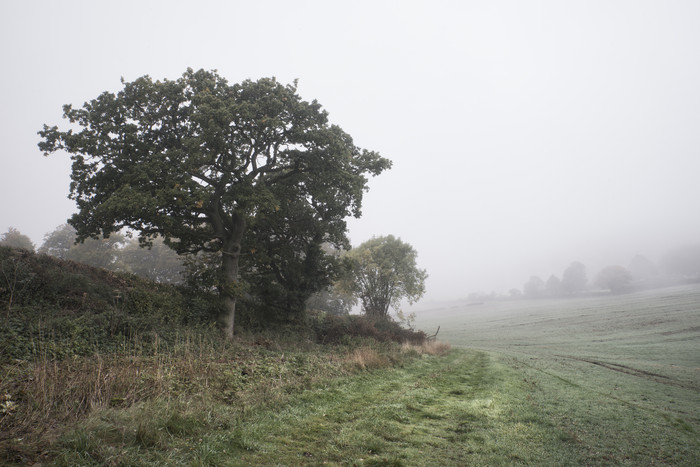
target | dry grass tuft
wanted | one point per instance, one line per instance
(436, 347)
(47, 394)
(364, 358)
(430, 347)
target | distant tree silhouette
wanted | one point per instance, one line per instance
(158, 262)
(534, 287)
(615, 278)
(100, 253)
(59, 242)
(683, 262)
(642, 268)
(553, 286)
(574, 279)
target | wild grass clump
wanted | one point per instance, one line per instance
(367, 358)
(434, 347)
(370, 355)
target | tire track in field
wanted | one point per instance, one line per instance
(657, 378)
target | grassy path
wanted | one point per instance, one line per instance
(466, 408)
(462, 409)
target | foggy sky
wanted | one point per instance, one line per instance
(524, 134)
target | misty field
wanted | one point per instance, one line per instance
(617, 376)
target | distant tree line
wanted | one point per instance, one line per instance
(679, 265)
(117, 253)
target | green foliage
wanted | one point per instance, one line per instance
(15, 276)
(156, 262)
(97, 252)
(65, 308)
(201, 162)
(382, 272)
(331, 300)
(59, 242)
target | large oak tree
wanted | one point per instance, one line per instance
(199, 162)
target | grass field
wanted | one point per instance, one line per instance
(617, 376)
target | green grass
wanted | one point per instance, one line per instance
(460, 409)
(617, 376)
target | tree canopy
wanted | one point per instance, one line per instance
(574, 279)
(614, 277)
(683, 262)
(202, 162)
(16, 239)
(381, 272)
(97, 252)
(534, 287)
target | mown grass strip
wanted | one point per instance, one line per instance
(463, 409)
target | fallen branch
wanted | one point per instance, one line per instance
(432, 338)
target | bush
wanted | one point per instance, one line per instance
(333, 329)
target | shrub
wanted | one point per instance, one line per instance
(333, 329)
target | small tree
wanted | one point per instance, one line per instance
(158, 262)
(332, 301)
(59, 242)
(16, 239)
(381, 272)
(97, 252)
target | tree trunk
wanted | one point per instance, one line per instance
(230, 290)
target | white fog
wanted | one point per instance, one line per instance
(524, 135)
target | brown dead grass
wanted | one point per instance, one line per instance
(366, 358)
(49, 394)
(430, 347)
